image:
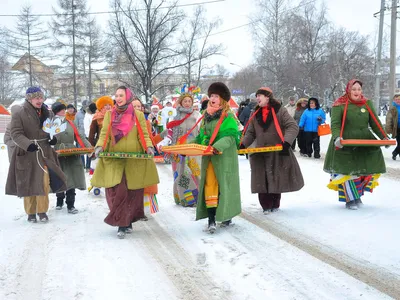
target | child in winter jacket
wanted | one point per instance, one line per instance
(312, 117)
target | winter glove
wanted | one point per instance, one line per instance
(32, 148)
(150, 151)
(241, 146)
(97, 151)
(285, 149)
(338, 143)
(53, 141)
(319, 119)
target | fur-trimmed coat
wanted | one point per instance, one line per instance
(270, 171)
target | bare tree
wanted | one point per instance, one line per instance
(196, 46)
(145, 36)
(69, 27)
(94, 50)
(8, 88)
(247, 79)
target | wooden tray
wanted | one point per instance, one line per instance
(74, 151)
(260, 150)
(188, 150)
(367, 143)
(125, 155)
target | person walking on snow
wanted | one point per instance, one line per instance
(219, 189)
(393, 124)
(354, 170)
(312, 117)
(301, 106)
(34, 166)
(124, 130)
(272, 173)
(248, 109)
(71, 165)
(185, 170)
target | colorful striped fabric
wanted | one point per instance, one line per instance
(351, 187)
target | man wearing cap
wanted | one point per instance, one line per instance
(33, 161)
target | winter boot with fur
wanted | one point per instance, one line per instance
(212, 227)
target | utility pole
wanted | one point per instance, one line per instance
(379, 57)
(73, 54)
(393, 60)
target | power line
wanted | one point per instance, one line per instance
(117, 11)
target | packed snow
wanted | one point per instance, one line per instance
(313, 248)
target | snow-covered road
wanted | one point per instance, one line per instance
(312, 248)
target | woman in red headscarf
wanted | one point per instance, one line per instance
(354, 169)
(124, 130)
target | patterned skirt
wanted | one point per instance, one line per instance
(352, 187)
(186, 171)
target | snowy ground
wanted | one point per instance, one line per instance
(312, 248)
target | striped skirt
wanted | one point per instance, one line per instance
(352, 187)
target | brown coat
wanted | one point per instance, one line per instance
(271, 172)
(391, 121)
(25, 175)
(94, 132)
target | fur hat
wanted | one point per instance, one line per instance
(34, 92)
(220, 89)
(266, 91)
(103, 101)
(56, 107)
(92, 108)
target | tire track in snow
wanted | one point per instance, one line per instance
(362, 270)
(190, 280)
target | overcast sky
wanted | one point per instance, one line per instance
(355, 15)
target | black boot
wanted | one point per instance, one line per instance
(211, 219)
(60, 200)
(71, 201)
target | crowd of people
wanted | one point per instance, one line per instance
(209, 182)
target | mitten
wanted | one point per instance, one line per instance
(32, 148)
(285, 149)
(338, 143)
(53, 141)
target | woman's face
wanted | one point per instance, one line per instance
(355, 92)
(312, 104)
(120, 97)
(71, 110)
(215, 100)
(262, 100)
(107, 107)
(61, 113)
(303, 104)
(187, 102)
(137, 105)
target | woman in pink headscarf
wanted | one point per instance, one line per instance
(124, 130)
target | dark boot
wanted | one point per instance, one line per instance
(32, 218)
(43, 217)
(60, 200)
(211, 219)
(71, 201)
(226, 223)
(359, 203)
(121, 232)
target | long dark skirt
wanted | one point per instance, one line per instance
(126, 206)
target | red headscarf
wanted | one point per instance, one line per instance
(346, 97)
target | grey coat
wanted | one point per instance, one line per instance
(79, 121)
(71, 165)
(271, 172)
(25, 174)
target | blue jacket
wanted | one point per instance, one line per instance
(309, 119)
(398, 113)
